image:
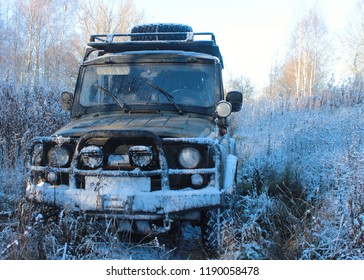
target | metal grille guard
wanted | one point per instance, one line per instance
(164, 170)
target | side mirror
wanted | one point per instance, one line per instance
(67, 101)
(235, 98)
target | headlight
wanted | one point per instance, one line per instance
(59, 156)
(223, 109)
(92, 156)
(141, 155)
(189, 157)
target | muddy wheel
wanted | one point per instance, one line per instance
(216, 231)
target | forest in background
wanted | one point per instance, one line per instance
(302, 183)
(42, 44)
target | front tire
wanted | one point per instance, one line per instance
(217, 231)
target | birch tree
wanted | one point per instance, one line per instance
(105, 17)
(273, 89)
(353, 42)
(38, 35)
(304, 70)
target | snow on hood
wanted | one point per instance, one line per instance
(163, 124)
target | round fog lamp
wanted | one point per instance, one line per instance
(92, 156)
(52, 177)
(197, 180)
(141, 155)
(223, 109)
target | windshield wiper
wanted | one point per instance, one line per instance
(122, 104)
(167, 95)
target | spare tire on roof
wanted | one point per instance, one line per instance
(160, 28)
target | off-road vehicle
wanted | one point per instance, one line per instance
(148, 143)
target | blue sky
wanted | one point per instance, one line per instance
(250, 33)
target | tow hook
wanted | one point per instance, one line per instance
(167, 223)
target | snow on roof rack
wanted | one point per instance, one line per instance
(203, 42)
(151, 36)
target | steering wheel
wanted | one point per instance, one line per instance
(187, 97)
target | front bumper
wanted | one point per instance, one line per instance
(126, 202)
(128, 192)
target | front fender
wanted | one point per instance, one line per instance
(230, 174)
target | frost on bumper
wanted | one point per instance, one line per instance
(136, 179)
(159, 202)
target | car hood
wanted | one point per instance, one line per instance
(162, 124)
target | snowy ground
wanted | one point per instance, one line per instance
(319, 145)
(321, 148)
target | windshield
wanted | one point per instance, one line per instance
(135, 85)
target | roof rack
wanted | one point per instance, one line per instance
(183, 41)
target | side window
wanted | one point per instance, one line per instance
(89, 91)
